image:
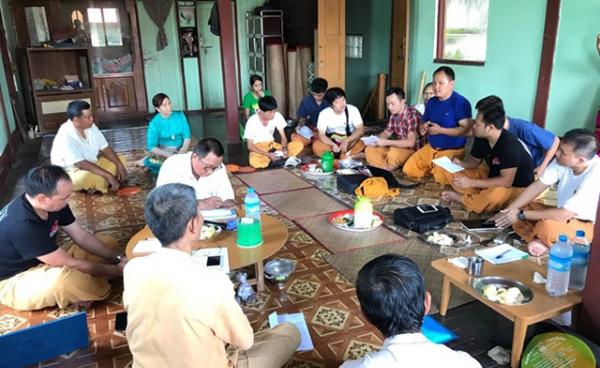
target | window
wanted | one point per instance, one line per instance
(461, 35)
(105, 28)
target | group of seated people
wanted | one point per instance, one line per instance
(179, 312)
(510, 158)
(176, 306)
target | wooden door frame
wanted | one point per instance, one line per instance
(395, 4)
(139, 78)
(549, 37)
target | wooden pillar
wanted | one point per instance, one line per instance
(540, 108)
(227, 41)
(589, 316)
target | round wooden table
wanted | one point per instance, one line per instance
(274, 234)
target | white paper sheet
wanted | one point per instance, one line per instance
(201, 256)
(298, 320)
(370, 140)
(500, 254)
(446, 164)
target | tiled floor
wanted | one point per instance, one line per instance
(328, 301)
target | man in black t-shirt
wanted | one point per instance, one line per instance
(34, 271)
(510, 167)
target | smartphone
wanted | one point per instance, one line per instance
(121, 321)
(426, 208)
(213, 261)
(475, 225)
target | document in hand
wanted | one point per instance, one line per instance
(446, 164)
(298, 320)
(500, 254)
(305, 132)
(370, 140)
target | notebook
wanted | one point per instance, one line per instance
(500, 254)
(219, 214)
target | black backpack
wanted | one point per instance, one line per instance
(423, 217)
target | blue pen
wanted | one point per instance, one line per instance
(503, 253)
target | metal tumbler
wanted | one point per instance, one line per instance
(475, 266)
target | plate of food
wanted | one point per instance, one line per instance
(313, 171)
(345, 220)
(439, 238)
(209, 231)
(502, 290)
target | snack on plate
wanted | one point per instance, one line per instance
(510, 296)
(208, 231)
(346, 220)
(439, 239)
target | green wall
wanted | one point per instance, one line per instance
(575, 84)
(372, 20)
(515, 30)
(7, 21)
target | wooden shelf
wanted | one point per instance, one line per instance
(62, 92)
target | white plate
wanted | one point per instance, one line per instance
(377, 221)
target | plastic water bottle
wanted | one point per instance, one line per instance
(559, 267)
(579, 265)
(252, 204)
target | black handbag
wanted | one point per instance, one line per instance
(349, 183)
(423, 218)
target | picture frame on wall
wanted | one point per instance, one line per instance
(187, 16)
(189, 42)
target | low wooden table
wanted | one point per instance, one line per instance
(542, 306)
(274, 234)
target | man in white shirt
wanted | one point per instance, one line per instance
(182, 314)
(340, 127)
(259, 135)
(392, 296)
(76, 147)
(204, 171)
(576, 169)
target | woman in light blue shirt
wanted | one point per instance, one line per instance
(168, 132)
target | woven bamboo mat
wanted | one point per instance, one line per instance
(348, 264)
(273, 181)
(337, 240)
(302, 203)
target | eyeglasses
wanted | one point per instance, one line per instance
(208, 168)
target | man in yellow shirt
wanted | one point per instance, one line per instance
(182, 314)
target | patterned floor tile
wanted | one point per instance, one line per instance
(331, 317)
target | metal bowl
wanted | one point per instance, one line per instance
(279, 270)
(501, 282)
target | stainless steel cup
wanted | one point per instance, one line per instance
(475, 266)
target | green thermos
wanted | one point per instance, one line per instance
(327, 162)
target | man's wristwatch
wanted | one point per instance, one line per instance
(521, 215)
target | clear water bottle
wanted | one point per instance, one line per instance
(252, 204)
(579, 265)
(559, 267)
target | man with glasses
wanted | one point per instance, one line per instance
(76, 148)
(203, 170)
